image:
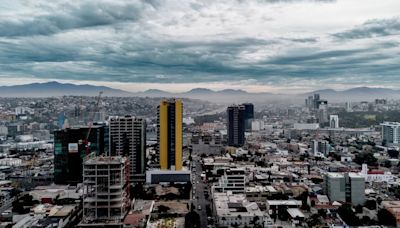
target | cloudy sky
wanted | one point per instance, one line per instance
(256, 45)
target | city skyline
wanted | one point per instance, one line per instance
(257, 46)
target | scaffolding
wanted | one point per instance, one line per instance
(106, 191)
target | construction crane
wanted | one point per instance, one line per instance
(90, 124)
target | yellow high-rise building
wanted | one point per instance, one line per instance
(170, 134)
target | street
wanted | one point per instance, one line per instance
(7, 204)
(199, 187)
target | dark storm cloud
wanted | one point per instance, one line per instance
(142, 41)
(372, 28)
(179, 61)
(70, 16)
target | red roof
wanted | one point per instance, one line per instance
(133, 219)
(376, 171)
(326, 206)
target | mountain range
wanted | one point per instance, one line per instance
(57, 89)
(222, 96)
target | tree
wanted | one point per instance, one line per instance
(322, 213)
(393, 153)
(303, 197)
(239, 217)
(379, 200)
(313, 220)
(163, 209)
(386, 218)
(366, 221)
(254, 221)
(387, 164)
(359, 209)
(370, 204)
(346, 213)
(192, 219)
(282, 214)
(366, 157)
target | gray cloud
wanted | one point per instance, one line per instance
(83, 14)
(200, 61)
(134, 41)
(297, 1)
(372, 28)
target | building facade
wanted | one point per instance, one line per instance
(106, 191)
(170, 134)
(248, 115)
(320, 148)
(236, 125)
(128, 137)
(334, 121)
(234, 210)
(349, 187)
(70, 149)
(391, 133)
(234, 180)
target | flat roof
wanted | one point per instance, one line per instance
(335, 175)
(355, 175)
(295, 212)
(391, 204)
(323, 198)
(232, 205)
(284, 202)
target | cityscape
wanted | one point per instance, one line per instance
(199, 114)
(78, 161)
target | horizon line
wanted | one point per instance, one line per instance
(185, 87)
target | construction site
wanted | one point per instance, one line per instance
(106, 191)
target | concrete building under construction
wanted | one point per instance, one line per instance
(106, 191)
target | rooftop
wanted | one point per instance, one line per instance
(105, 160)
(295, 212)
(284, 202)
(232, 205)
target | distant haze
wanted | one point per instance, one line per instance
(223, 96)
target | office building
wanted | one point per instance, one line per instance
(334, 121)
(234, 180)
(310, 102)
(322, 113)
(349, 187)
(106, 136)
(248, 115)
(380, 102)
(316, 101)
(391, 133)
(170, 134)
(236, 125)
(128, 138)
(348, 107)
(70, 148)
(105, 191)
(320, 148)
